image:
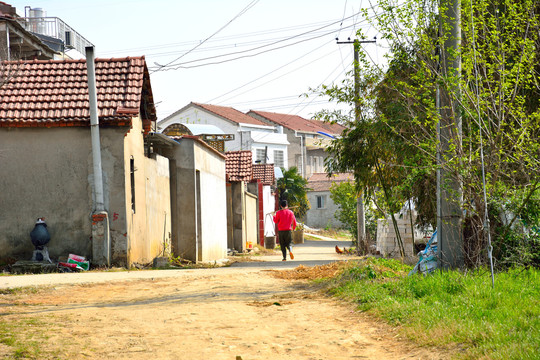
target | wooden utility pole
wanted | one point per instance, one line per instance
(360, 211)
(449, 187)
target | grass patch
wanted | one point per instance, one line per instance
(22, 338)
(451, 309)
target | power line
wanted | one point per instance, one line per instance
(242, 12)
(178, 66)
(270, 72)
(256, 34)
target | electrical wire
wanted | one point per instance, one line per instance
(169, 66)
(242, 12)
(271, 72)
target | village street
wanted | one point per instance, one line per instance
(251, 310)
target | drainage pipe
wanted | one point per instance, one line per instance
(94, 129)
(301, 152)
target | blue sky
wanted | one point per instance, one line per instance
(248, 54)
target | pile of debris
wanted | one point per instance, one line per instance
(310, 273)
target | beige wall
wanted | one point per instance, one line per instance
(199, 221)
(251, 212)
(47, 172)
(148, 222)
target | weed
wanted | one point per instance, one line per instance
(451, 309)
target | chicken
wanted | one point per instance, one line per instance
(338, 250)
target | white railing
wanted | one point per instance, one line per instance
(56, 28)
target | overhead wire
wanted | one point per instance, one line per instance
(271, 72)
(242, 12)
(169, 66)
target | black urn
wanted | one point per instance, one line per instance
(40, 235)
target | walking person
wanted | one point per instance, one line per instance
(286, 223)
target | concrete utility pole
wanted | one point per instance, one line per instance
(449, 187)
(360, 211)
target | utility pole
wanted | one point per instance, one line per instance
(360, 211)
(449, 187)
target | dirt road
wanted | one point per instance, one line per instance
(239, 312)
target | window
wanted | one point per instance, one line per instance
(132, 180)
(315, 164)
(321, 201)
(278, 158)
(259, 156)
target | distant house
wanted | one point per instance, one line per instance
(47, 166)
(262, 139)
(308, 139)
(321, 213)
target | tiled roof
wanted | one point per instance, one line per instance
(265, 172)
(295, 122)
(334, 129)
(321, 181)
(238, 165)
(231, 114)
(55, 92)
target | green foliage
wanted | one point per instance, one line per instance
(344, 195)
(391, 141)
(451, 309)
(293, 188)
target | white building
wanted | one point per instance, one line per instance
(267, 142)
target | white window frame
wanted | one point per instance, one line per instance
(277, 154)
(259, 155)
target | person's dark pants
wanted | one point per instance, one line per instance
(285, 239)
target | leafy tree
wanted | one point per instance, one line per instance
(344, 195)
(392, 138)
(293, 188)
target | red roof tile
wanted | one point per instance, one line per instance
(334, 129)
(264, 172)
(238, 165)
(231, 114)
(55, 92)
(321, 181)
(298, 123)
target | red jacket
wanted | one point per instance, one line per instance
(285, 220)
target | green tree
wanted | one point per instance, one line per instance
(391, 144)
(344, 195)
(293, 188)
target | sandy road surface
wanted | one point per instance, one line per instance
(240, 311)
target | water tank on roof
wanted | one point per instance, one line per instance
(37, 20)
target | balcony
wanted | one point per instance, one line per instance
(57, 29)
(320, 143)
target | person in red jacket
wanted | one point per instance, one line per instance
(286, 223)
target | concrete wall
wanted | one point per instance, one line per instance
(238, 194)
(158, 209)
(324, 217)
(387, 239)
(251, 220)
(200, 212)
(46, 172)
(269, 206)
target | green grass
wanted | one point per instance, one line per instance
(457, 311)
(21, 341)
